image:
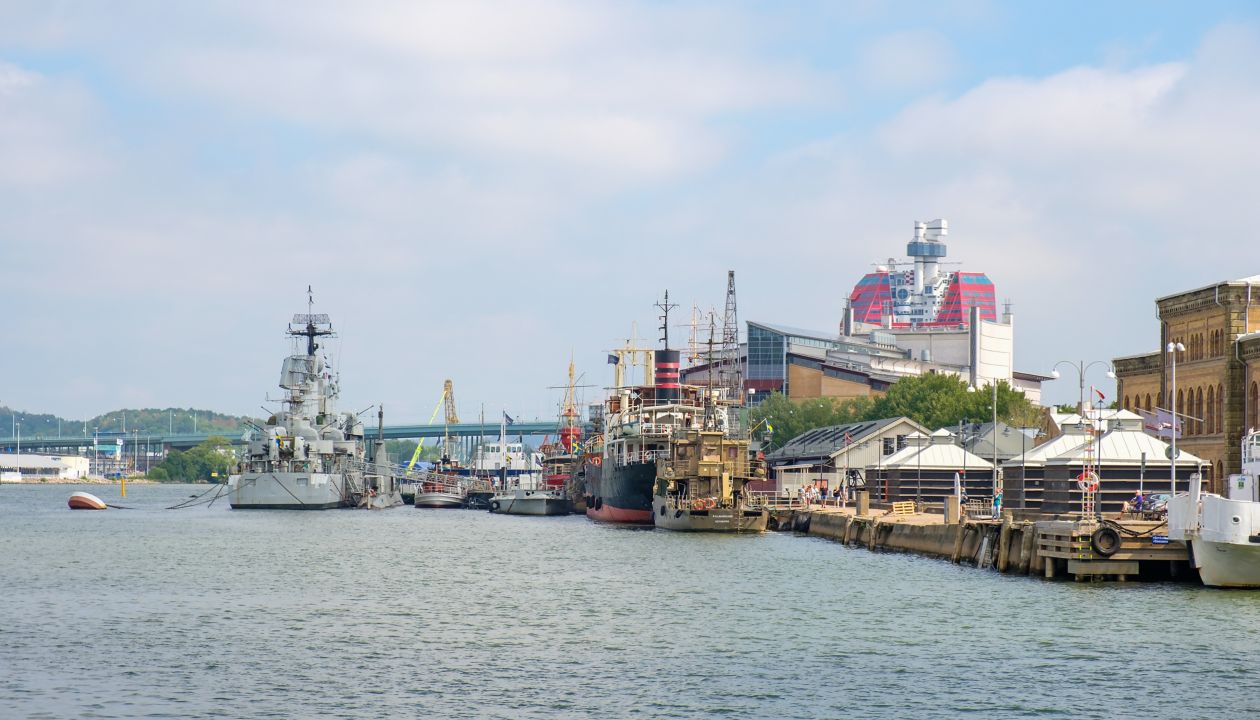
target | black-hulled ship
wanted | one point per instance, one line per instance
(640, 422)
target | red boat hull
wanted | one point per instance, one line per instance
(608, 513)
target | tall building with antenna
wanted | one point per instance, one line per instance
(920, 292)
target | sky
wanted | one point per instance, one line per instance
(481, 191)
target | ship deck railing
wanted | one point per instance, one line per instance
(646, 456)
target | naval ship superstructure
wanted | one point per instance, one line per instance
(308, 456)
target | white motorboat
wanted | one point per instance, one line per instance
(439, 491)
(1223, 533)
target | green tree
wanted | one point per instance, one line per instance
(211, 461)
(935, 401)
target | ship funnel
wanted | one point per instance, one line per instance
(667, 387)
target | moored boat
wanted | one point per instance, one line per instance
(1223, 533)
(308, 456)
(640, 422)
(522, 501)
(439, 491)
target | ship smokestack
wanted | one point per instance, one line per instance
(667, 366)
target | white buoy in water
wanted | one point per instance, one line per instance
(86, 501)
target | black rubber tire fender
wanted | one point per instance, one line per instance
(494, 506)
(1105, 541)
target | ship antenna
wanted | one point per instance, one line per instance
(665, 307)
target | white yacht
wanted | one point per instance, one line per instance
(1223, 533)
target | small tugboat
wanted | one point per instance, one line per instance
(700, 481)
(308, 456)
(85, 501)
(1223, 533)
(700, 488)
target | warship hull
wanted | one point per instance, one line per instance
(621, 494)
(287, 491)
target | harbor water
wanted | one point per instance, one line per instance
(210, 612)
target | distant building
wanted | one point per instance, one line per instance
(33, 468)
(809, 364)
(820, 457)
(1218, 374)
(922, 294)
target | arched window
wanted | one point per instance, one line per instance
(1220, 408)
(1126, 402)
(1180, 408)
(1198, 411)
(1148, 402)
(1210, 409)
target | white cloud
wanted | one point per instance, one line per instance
(42, 131)
(907, 60)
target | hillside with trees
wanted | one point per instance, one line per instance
(153, 421)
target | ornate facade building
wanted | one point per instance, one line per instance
(1218, 374)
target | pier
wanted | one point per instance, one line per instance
(1117, 549)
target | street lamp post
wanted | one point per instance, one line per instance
(971, 388)
(1081, 368)
(1173, 348)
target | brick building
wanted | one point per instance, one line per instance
(1218, 374)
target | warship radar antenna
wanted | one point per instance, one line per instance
(311, 324)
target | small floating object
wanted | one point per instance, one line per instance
(86, 501)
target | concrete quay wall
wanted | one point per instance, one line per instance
(1008, 546)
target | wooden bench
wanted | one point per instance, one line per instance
(903, 508)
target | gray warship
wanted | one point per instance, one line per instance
(308, 456)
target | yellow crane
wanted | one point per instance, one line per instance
(447, 402)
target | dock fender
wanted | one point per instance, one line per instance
(494, 506)
(1105, 541)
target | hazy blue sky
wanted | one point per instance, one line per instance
(475, 190)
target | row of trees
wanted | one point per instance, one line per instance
(935, 401)
(211, 461)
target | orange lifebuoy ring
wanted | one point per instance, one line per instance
(1087, 482)
(697, 504)
(710, 503)
(597, 460)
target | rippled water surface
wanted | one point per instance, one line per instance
(210, 612)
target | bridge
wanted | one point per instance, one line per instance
(184, 441)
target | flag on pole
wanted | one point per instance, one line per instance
(613, 359)
(1101, 397)
(508, 418)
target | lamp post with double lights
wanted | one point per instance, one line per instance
(1173, 348)
(1081, 367)
(971, 389)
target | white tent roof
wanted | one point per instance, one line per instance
(1124, 446)
(937, 456)
(1052, 448)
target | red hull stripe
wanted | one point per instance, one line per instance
(667, 365)
(608, 513)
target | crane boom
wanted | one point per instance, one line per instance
(420, 446)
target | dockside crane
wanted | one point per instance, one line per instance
(445, 403)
